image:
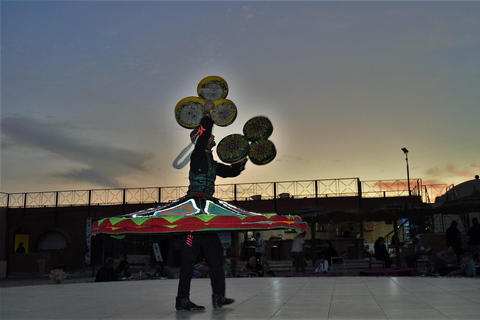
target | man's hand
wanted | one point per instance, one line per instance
(208, 106)
(241, 165)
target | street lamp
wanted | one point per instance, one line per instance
(408, 171)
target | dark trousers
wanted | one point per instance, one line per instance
(258, 255)
(212, 248)
(299, 262)
(388, 261)
(410, 260)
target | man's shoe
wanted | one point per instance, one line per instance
(219, 300)
(186, 304)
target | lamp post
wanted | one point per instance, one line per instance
(408, 171)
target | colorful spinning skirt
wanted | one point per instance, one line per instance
(195, 214)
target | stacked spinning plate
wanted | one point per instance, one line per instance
(190, 110)
(253, 143)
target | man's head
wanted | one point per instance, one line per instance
(211, 142)
(252, 261)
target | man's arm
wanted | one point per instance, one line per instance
(198, 160)
(230, 171)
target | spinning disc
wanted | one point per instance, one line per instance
(189, 112)
(262, 152)
(233, 148)
(224, 112)
(257, 128)
(212, 88)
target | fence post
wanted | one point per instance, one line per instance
(235, 194)
(275, 197)
(360, 195)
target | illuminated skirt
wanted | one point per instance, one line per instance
(195, 214)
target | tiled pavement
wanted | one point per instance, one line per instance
(256, 298)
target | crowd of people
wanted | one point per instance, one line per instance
(456, 259)
(112, 271)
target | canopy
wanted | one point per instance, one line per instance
(195, 214)
(323, 215)
(395, 210)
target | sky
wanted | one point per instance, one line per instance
(88, 89)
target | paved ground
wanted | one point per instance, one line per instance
(256, 298)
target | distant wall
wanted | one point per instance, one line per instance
(3, 233)
(3, 242)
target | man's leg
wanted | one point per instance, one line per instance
(191, 250)
(298, 261)
(213, 249)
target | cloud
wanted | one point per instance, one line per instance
(295, 159)
(450, 170)
(93, 161)
(246, 12)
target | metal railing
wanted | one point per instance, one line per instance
(345, 187)
(390, 188)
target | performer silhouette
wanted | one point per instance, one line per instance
(202, 175)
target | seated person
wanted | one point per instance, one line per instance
(200, 269)
(418, 251)
(162, 271)
(253, 268)
(107, 272)
(381, 252)
(123, 270)
(321, 265)
(329, 251)
(392, 242)
(446, 258)
(467, 268)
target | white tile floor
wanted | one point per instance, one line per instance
(263, 298)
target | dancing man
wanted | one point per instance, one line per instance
(202, 175)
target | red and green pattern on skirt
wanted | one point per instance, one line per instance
(198, 223)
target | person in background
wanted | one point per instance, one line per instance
(381, 252)
(297, 252)
(467, 268)
(329, 251)
(445, 258)
(418, 251)
(107, 272)
(123, 270)
(474, 238)
(259, 247)
(253, 268)
(453, 238)
(21, 248)
(200, 269)
(321, 265)
(162, 271)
